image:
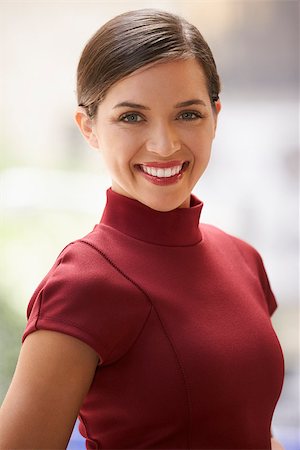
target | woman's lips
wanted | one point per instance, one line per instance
(163, 173)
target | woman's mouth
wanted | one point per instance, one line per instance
(163, 173)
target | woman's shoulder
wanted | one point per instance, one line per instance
(83, 270)
(243, 253)
(217, 235)
(80, 260)
(86, 296)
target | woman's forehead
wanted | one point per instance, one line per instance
(182, 74)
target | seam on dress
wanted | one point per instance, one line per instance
(98, 443)
(134, 341)
(181, 369)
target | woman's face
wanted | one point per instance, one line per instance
(155, 130)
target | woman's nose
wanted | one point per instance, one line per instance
(163, 140)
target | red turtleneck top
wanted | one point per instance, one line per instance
(179, 315)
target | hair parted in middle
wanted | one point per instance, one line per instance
(135, 39)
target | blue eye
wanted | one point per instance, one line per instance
(131, 118)
(190, 115)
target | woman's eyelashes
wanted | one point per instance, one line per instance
(190, 115)
(134, 117)
(131, 117)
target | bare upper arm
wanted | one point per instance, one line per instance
(276, 445)
(52, 377)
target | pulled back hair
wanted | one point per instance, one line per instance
(132, 40)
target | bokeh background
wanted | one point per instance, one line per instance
(52, 186)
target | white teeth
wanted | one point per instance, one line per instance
(160, 172)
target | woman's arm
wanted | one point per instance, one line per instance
(53, 375)
(276, 445)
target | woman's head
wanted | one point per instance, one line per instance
(148, 99)
(133, 40)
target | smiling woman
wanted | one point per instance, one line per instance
(161, 132)
(154, 329)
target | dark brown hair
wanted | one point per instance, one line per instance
(132, 40)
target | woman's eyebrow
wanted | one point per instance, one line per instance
(130, 105)
(194, 101)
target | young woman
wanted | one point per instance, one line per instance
(154, 329)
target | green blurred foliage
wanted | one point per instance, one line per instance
(11, 329)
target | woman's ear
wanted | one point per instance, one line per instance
(87, 127)
(218, 106)
(216, 109)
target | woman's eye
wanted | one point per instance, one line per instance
(190, 115)
(131, 118)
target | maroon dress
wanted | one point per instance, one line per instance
(179, 315)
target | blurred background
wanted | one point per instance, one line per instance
(52, 185)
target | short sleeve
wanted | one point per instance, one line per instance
(87, 297)
(256, 266)
(265, 283)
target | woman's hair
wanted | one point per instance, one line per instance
(132, 40)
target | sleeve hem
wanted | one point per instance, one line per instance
(52, 324)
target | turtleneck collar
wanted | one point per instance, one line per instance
(179, 227)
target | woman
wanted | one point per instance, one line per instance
(154, 330)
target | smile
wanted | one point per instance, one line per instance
(163, 173)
